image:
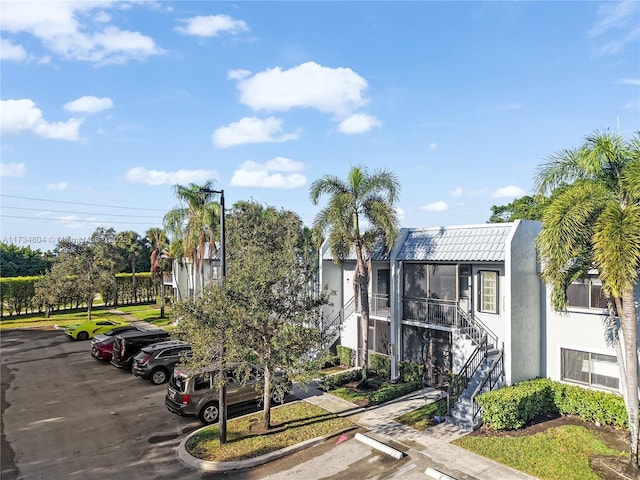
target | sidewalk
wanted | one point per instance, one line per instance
(133, 320)
(433, 443)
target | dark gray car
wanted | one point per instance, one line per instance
(195, 395)
(155, 362)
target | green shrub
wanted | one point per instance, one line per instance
(345, 355)
(390, 391)
(331, 382)
(410, 371)
(512, 407)
(590, 405)
(380, 364)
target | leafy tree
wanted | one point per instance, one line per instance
(524, 208)
(22, 261)
(157, 243)
(364, 197)
(594, 221)
(195, 222)
(265, 311)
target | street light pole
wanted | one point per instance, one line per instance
(222, 392)
(223, 260)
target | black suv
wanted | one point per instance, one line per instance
(126, 345)
(155, 362)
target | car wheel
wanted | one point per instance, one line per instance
(82, 336)
(277, 397)
(209, 413)
(159, 376)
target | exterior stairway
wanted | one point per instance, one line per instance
(465, 411)
(482, 372)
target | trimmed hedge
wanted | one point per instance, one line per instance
(331, 382)
(392, 391)
(410, 371)
(380, 364)
(510, 408)
(345, 355)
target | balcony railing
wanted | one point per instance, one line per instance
(379, 305)
(431, 311)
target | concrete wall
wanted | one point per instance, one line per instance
(522, 304)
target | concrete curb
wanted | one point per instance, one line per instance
(382, 447)
(209, 466)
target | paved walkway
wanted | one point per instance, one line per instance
(434, 442)
(133, 320)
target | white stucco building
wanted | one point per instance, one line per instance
(471, 296)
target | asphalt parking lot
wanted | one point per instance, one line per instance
(68, 416)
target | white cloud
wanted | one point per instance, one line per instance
(9, 51)
(510, 191)
(435, 207)
(461, 192)
(158, 177)
(433, 146)
(400, 213)
(212, 25)
(12, 169)
(76, 30)
(238, 74)
(251, 130)
(358, 123)
(22, 116)
(89, 104)
(252, 174)
(457, 192)
(58, 186)
(338, 91)
(630, 81)
(617, 26)
(511, 106)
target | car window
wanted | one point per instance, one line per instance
(202, 382)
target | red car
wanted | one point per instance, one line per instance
(103, 350)
(102, 345)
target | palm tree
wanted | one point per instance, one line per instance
(196, 222)
(131, 245)
(363, 196)
(593, 220)
(157, 241)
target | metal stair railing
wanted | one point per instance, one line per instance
(495, 374)
(475, 328)
(331, 329)
(459, 382)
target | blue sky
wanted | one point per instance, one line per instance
(107, 105)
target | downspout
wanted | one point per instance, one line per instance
(395, 302)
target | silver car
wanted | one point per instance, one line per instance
(196, 395)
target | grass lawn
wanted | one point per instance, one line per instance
(424, 417)
(291, 423)
(561, 452)
(63, 318)
(149, 313)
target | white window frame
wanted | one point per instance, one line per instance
(482, 293)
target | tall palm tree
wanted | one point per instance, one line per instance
(196, 222)
(359, 214)
(131, 245)
(157, 241)
(593, 220)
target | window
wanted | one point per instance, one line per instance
(488, 294)
(586, 294)
(593, 369)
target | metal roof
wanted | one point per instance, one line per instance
(379, 254)
(475, 243)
